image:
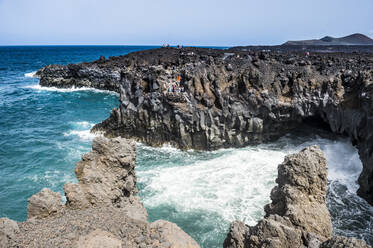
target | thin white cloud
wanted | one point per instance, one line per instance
(189, 22)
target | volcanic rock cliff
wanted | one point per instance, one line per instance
(297, 215)
(102, 209)
(231, 98)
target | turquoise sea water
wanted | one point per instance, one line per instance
(43, 133)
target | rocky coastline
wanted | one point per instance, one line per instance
(101, 210)
(231, 98)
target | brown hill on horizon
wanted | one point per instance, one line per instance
(353, 39)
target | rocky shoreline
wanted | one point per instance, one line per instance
(102, 209)
(231, 98)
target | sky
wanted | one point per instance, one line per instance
(186, 22)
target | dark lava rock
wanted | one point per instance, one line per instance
(231, 98)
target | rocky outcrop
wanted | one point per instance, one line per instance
(44, 204)
(297, 215)
(78, 76)
(8, 231)
(233, 97)
(102, 209)
(106, 175)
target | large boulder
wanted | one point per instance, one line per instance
(44, 204)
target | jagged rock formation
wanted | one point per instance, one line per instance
(232, 97)
(106, 175)
(297, 215)
(82, 75)
(102, 209)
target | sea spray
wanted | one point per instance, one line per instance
(30, 74)
(204, 191)
(67, 90)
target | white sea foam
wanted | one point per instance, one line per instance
(84, 124)
(235, 185)
(30, 74)
(84, 135)
(82, 130)
(38, 87)
(54, 178)
(344, 164)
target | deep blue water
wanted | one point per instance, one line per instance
(43, 133)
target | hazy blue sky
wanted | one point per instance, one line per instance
(189, 22)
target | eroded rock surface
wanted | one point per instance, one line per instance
(8, 231)
(44, 204)
(102, 209)
(82, 75)
(173, 234)
(106, 175)
(344, 242)
(297, 215)
(232, 97)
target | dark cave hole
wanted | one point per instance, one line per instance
(317, 122)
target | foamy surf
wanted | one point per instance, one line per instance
(82, 130)
(235, 185)
(38, 87)
(30, 74)
(204, 192)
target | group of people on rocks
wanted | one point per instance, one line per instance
(176, 87)
(168, 45)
